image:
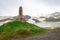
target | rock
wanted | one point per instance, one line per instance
(27, 16)
(36, 20)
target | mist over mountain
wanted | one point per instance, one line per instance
(55, 14)
(53, 17)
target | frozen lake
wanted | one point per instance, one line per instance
(46, 24)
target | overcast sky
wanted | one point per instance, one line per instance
(30, 7)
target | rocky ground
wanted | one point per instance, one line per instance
(51, 35)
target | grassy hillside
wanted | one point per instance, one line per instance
(19, 29)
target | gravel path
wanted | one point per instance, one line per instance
(51, 35)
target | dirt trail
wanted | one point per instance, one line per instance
(51, 35)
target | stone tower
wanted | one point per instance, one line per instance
(21, 17)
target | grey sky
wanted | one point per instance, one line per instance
(31, 7)
(50, 2)
(8, 7)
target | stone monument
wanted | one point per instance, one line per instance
(21, 17)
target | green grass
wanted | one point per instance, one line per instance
(14, 28)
